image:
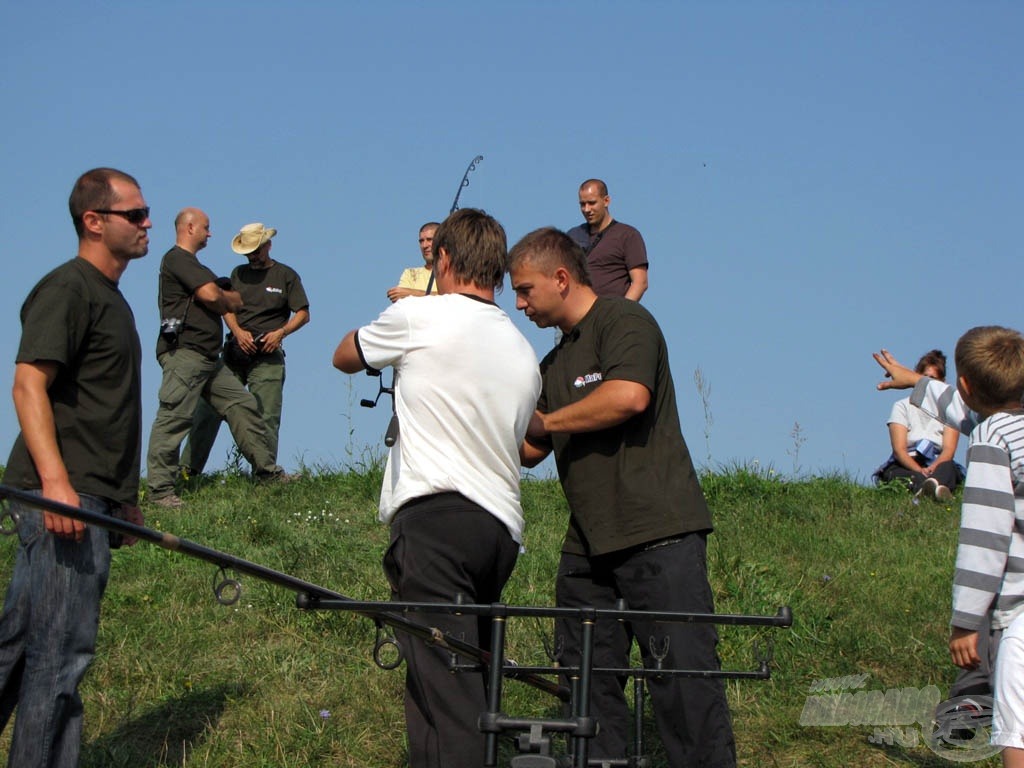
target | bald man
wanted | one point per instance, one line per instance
(192, 301)
(616, 252)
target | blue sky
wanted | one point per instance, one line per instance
(814, 180)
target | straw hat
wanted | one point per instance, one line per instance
(251, 237)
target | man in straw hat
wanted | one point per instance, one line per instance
(192, 300)
(274, 306)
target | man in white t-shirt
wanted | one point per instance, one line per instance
(466, 385)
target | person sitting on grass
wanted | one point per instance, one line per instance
(922, 447)
(988, 584)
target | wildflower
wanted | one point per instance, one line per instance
(324, 714)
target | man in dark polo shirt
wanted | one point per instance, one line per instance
(77, 393)
(616, 253)
(192, 300)
(638, 521)
(274, 306)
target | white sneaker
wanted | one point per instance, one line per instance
(934, 490)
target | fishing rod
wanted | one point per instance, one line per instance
(534, 743)
(392, 432)
(464, 183)
(228, 590)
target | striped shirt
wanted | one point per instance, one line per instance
(989, 573)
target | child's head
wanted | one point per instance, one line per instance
(934, 360)
(991, 359)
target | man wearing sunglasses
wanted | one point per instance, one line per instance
(192, 301)
(77, 375)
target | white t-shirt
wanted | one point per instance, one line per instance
(466, 385)
(920, 426)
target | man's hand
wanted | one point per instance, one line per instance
(59, 526)
(536, 431)
(271, 340)
(398, 292)
(245, 342)
(899, 376)
(963, 648)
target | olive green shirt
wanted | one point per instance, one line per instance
(76, 317)
(633, 483)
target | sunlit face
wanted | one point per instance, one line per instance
(538, 295)
(427, 244)
(124, 239)
(203, 233)
(593, 205)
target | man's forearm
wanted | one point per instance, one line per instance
(35, 415)
(346, 356)
(612, 403)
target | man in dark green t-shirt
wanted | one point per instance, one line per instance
(192, 300)
(274, 306)
(638, 520)
(77, 392)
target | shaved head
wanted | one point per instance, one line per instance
(192, 229)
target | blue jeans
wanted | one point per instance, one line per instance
(48, 637)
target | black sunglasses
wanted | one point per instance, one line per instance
(134, 216)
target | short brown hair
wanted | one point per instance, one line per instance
(476, 246)
(991, 359)
(549, 248)
(602, 188)
(933, 359)
(93, 191)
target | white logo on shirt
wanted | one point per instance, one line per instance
(590, 378)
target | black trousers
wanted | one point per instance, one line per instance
(947, 473)
(692, 713)
(441, 546)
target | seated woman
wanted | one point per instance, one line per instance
(922, 448)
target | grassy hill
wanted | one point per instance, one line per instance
(180, 680)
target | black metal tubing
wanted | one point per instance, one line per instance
(783, 618)
(311, 596)
(308, 595)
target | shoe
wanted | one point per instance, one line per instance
(929, 488)
(277, 477)
(170, 501)
(967, 721)
(933, 489)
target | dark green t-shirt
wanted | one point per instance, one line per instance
(78, 318)
(180, 275)
(633, 483)
(269, 296)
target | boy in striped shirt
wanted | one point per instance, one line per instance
(988, 585)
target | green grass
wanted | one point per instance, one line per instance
(180, 680)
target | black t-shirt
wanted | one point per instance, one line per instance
(76, 317)
(269, 296)
(180, 275)
(633, 483)
(611, 253)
